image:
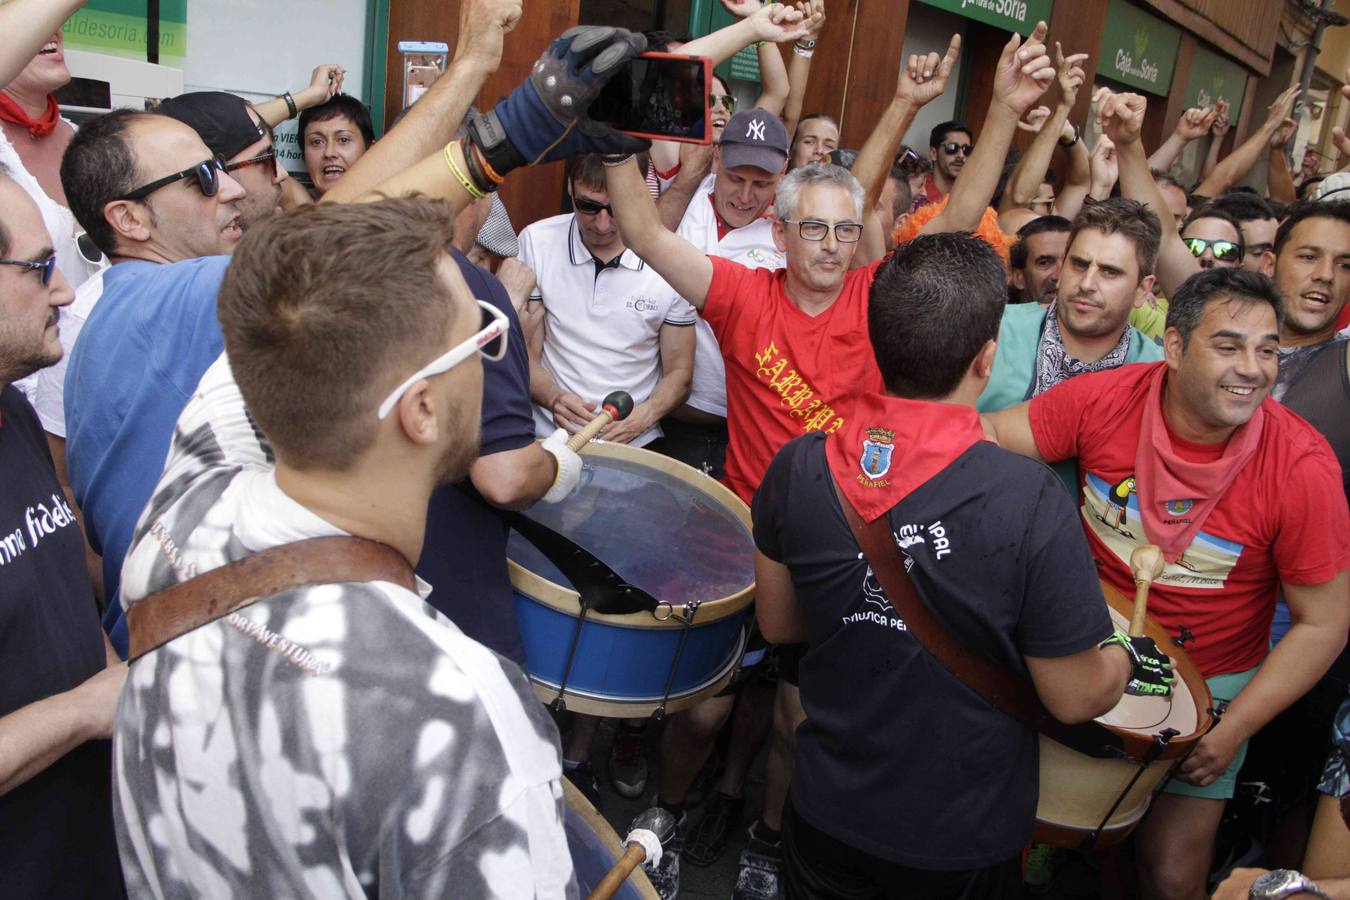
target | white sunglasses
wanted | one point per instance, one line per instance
(489, 341)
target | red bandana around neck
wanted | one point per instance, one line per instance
(1176, 495)
(39, 127)
(890, 447)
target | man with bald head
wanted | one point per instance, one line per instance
(158, 202)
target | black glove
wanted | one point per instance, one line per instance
(1151, 669)
(544, 119)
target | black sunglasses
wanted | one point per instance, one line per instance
(47, 266)
(1224, 251)
(590, 207)
(268, 155)
(206, 173)
(953, 148)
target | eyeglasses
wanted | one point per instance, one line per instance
(489, 341)
(954, 148)
(268, 155)
(47, 266)
(728, 102)
(206, 172)
(1224, 251)
(590, 207)
(813, 230)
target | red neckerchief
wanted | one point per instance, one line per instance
(931, 189)
(38, 128)
(1177, 495)
(889, 447)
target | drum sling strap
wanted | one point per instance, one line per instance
(996, 683)
(188, 605)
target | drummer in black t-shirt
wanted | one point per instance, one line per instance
(908, 783)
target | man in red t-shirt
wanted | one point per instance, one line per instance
(1244, 498)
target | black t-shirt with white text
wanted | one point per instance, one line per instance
(897, 758)
(56, 830)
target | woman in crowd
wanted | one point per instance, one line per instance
(334, 136)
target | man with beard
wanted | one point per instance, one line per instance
(1242, 496)
(949, 145)
(1037, 257)
(1107, 273)
(353, 348)
(61, 678)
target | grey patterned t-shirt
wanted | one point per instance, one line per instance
(339, 740)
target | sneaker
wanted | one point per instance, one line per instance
(665, 878)
(708, 839)
(583, 779)
(628, 764)
(759, 865)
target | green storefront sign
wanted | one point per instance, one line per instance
(1138, 49)
(1010, 15)
(1215, 78)
(117, 27)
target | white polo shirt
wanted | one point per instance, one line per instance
(601, 330)
(750, 245)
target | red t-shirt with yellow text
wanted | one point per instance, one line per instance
(788, 373)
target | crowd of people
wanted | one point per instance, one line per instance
(232, 429)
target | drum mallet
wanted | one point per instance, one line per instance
(650, 831)
(1147, 563)
(613, 408)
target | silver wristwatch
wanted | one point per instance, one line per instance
(1284, 883)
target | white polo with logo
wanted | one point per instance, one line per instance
(601, 331)
(750, 245)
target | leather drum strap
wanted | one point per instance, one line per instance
(1002, 687)
(174, 611)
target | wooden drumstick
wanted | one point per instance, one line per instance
(614, 407)
(616, 876)
(1147, 563)
(652, 829)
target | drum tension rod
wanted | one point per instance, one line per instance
(686, 621)
(1160, 742)
(559, 704)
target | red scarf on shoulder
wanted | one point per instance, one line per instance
(1176, 495)
(890, 447)
(39, 127)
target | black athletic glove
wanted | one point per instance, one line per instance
(544, 119)
(1151, 673)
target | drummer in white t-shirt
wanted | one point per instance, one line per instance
(610, 322)
(729, 216)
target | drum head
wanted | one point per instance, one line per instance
(659, 524)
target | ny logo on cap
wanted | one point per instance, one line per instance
(755, 130)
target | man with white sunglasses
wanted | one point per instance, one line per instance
(330, 739)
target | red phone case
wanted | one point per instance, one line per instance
(707, 82)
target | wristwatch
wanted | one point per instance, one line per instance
(1076, 135)
(1284, 883)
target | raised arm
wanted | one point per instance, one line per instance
(1023, 73)
(1104, 168)
(774, 23)
(1218, 131)
(1121, 117)
(922, 80)
(1193, 125)
(1279, 181)
(680, 263)
(1031, 168)
(27, 25)
(695, 163)
(1238, 163)
(324, 82)
(799, 64)
(773, 79)
(1078, 184)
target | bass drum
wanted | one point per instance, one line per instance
(595, 849)
(1080, 793)
(665, 528)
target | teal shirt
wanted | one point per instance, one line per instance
(1019, 339)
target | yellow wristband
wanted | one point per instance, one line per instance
(459, 175)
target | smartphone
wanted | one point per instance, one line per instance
(423, 63)
(661, 96)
